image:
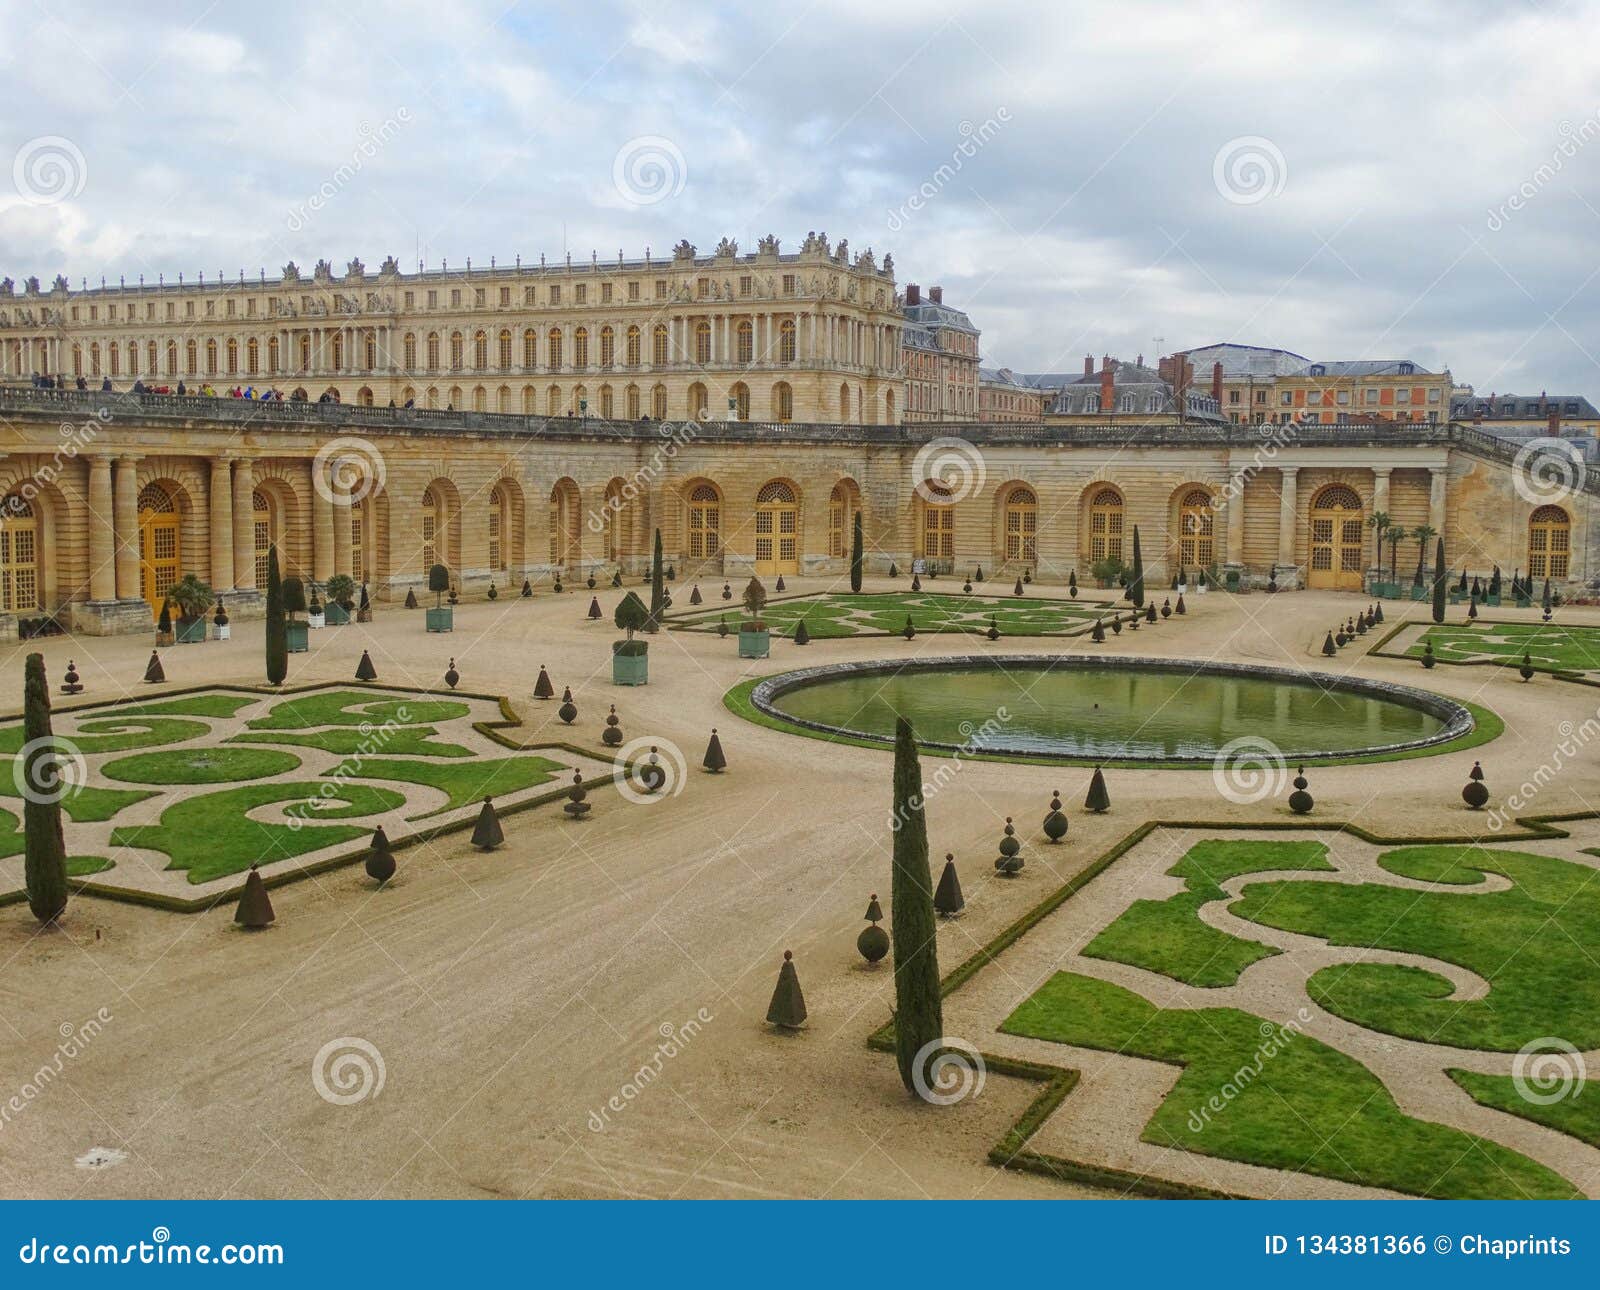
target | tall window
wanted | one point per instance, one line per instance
(632, 403)
(608, 347)
(409, 349)
(211, 358)
(505, 348)
(1196, 525)
(741, 401)
(658, 402)
(580, 347)
(705, 522)
(19, 556)
(1022, 523)
(252, 356)
(433, 351)
(606, 404)
(702, 343)
(430, 529)
(261, 514)
(633, 347)
(658, 348)
(746, 342)
(783, 402)
(457, 351)
(530, 348)
(553, 349)
(497, 527)
(358, 544)
(1105, 525)
(938, 522)
(786, 341)
(1549, 543)
(839, 521)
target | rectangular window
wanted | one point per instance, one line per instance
(505, 297)
(605, 293)
(661, 288)
(555, 295)
(633, 291)
(455, 297)
(745, 284)
(582, 296)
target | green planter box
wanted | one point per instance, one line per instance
(297, 634)
(1386, 590)
(754, 644)
(630, 669)
(1523, 602)
(337, 615)
(192, 632)
(1420, 593)
(1492, 601)
(442, 619)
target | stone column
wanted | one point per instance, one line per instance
(221, 524)
(244, 525)
(1286, 515)
(1380, 488)
(102, 532)
(321, 526)
(342, 552)
(125, 505)
(1438, 479)
(1233, 513)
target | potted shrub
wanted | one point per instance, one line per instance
(316, 614)
(294, 602)
(441, 618)
(1232, 580)
(1107, 571)
(754, 639)
(193, 598)
(1202, 583)
(630, 658)
(341, 599)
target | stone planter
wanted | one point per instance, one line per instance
(629, 669)
(295, 633)
(754, 644)
(337, 615)
(221, 631)
(191, 631)
(442, 619)
(317, 620)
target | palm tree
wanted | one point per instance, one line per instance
(1379, 523)
(1424, 534)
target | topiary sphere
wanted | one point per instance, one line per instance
(873, 943)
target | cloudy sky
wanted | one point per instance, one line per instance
(1365, 181)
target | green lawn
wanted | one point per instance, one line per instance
(354, 708)
(115, 734)
(84, 803)
(192, 705)
(1578, 1113)
(1167, 936)
(1552, 646)
(201, 766)
(464, 782)
(11, 844)
(836, 615)
(1254, 1092)
(407, 741)
(211, 836)
(1533, 943)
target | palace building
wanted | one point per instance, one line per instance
(106, 499)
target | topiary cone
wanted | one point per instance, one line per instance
(542, 689)
(778, 586)
(365, 671)
(1017, 590)
(1300, 800)
(594, 607)
(380, 860)
(487, 833)
(255, 908)
(788, 1007)
(153, 671)
(1150, 612)
(1098, 635)
(1328, 647)
(1178, 608)
(873, 941)
(714, 761)
(1055, 822)
(40, 768)
(695, 597)
(801, 635)
(1098, 800)
(916, 582)
(947, 898)
(527, 589)
(411, 597)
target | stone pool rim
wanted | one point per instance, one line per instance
(1460, 723)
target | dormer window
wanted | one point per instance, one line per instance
(1406, 369)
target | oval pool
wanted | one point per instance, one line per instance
(1089, 709)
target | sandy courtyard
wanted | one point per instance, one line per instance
(509, 997)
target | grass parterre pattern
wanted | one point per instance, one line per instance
(834, 615)
(210, 783)
(1293, 1099)
(1551, 647)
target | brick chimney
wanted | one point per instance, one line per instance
(1108, 386)
(913, 294)
(936, 295)
(1555, 421)
(1088, 364)
(1216, 383)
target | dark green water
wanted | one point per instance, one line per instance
(1106, 712)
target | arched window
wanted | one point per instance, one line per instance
(1549, 543)
(633, 347)
(632, 403)
(457, 351)
(150, 357)
(1021, 525)
(1196, 526)
(409, 349)
(607, 408)
(505, 348)
(553, 349)
(252, 356)
(335, 352)
(19, 556)
(432, 524)
(94, 358)
(1105, 526)
(261, 516)
(705, 522)
(369, 351)
(697, 401)
(158, 544)
(433, 351)
(503, 399)
(608, 347)
(305, 352)
(530, 348)
(358, 538)
(777, 529)
(786, 347)
(658, 402)
(938, 530)
(658, 347)
(480, 399)
(565, 521)
(133, 357)
(741, 401)
(364, 396)
(840, 513)
(580, 347)
(746, 338)
(233, 357)
(211, 358)
(499, 527)
(172, 358)
(455, 398)
(192, 358)
(783, 402)
(552, 401)
(702, 342)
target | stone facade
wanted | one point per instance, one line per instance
(120, 494)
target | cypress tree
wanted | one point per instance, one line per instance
(919, 1015)
(45, 850)
(1136, 582)
(856, 555)
(277, 628)
(658, 590)
(1438, 582)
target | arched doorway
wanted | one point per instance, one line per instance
(1336, 539)
(158, 545)
(1197, 548)
(265, 535)
(843, 504)
(705, 522)
(19, 556)
(1106, 519)
(936, 535)
(1549, 543)
(777, 529)
(1021, 525)
(499, 530)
